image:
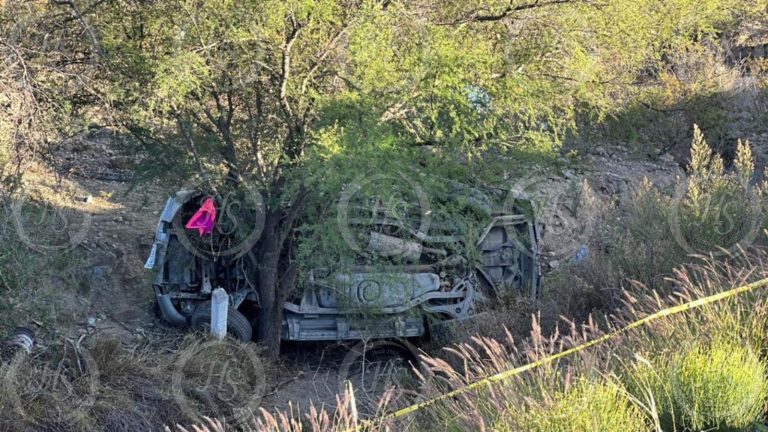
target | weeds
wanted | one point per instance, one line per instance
(106, 387)
(32, 284)
(695, 371)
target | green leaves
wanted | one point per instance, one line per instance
(180, 76)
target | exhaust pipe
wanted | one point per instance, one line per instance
(169, 312)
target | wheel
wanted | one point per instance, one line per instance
(238, 325)
(375, 368)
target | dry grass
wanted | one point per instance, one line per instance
(605, 380)
(104, 386)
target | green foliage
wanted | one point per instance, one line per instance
(692, 85)
(720, 386)
(442, 78)
(720, 209)
(711, 211)
(586, 407)
(646, 248)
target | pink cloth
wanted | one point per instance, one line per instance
(204, 219)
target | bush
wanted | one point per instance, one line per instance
(587, 407)
(721, 387)
(693, 84)
(35, 284)
(713, 211)
(716, 387)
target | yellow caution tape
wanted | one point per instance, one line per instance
(501, 376)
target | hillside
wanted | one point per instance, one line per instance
(398, 200)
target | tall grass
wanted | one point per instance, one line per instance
(700, 370)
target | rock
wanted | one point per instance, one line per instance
(600, 151)
(554, 264)
(667, 157)
(91, 322)
(84, 198)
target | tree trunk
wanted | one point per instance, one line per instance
(277, 276)
(269, 319)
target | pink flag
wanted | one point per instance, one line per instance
(204, 219)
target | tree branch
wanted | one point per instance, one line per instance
(321, 58)
(510, 9)
(285, 74)
(95, 46)
(193, 149)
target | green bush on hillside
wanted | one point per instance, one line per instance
(711, 211)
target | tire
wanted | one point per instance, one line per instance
(384, 365)
(238, 325)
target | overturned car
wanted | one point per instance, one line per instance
(421, 276)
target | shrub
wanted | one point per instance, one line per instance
(693, 85)
(713, 211)
(587, 407)
(721, 387)
(716, 387)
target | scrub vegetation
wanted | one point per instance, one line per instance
(303, 99)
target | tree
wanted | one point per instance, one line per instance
(240, 83)
(274, 91)
(45, 80)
